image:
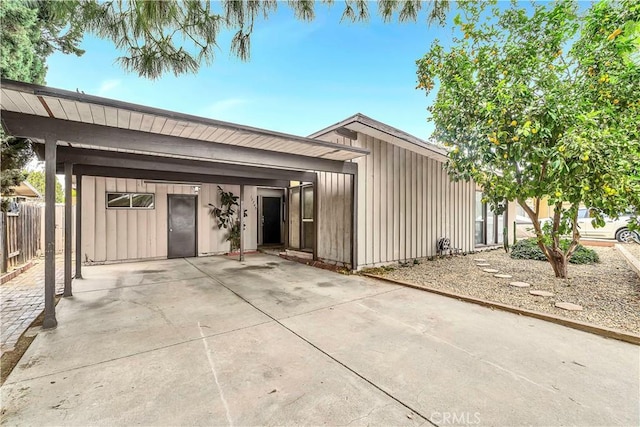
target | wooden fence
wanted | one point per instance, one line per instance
(20, 235)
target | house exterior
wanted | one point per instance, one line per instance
(357, 193)
(406, 202)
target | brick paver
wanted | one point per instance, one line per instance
(22, 300)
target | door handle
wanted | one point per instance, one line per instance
(171, 229)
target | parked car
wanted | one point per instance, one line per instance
(613, 229)
(617, 229)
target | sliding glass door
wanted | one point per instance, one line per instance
(489, 226)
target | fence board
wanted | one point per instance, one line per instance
(21, 235)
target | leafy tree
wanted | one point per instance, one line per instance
(156, 37)
(19, 51)
(178, 36)
(543, 103)
(29, 34)
(36, 178)
(15, 154)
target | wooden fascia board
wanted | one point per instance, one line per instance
(37, 127)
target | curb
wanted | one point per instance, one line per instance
(582, 326)
(631, 260)
(8, 276)
(597, 242)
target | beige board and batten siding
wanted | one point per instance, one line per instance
(132, 234)
(334, 218)
(407, 202)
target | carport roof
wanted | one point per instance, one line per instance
(68, 106)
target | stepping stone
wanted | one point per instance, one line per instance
(568, 306)
(483, 264)
(520, 284)
(480, 260)
(541, 293)
(502, 276)
(490, 270)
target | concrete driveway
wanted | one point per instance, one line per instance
(210, 341)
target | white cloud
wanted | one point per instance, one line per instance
(223, 107)
(107, 86)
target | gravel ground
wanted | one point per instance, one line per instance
(609, 291)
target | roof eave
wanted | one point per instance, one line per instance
(381, 127)
(39, 90)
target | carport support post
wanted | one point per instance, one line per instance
(78, 226)
(67, 229)
(241, 213)
(50, 234)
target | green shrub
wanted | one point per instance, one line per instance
(584, 255)
(528, 249)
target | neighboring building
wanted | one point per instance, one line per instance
(23, 192)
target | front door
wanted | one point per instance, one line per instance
(182, 225)
(271, 220)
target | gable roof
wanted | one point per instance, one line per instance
(364, 124)
(24, 189)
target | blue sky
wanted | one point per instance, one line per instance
(301, 76)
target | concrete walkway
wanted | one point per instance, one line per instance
(210, 341)
(22, 300)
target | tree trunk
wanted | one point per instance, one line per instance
(559, 264)
(557, 258)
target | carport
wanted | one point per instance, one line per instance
(83, 135)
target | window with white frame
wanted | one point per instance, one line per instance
(131, 201)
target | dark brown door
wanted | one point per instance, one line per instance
(182, 225)
(271, 207)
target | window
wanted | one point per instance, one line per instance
(489, 229)
(583, 213)
(308, 227)
(130, 201)
(481, 214)
(307, 203)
